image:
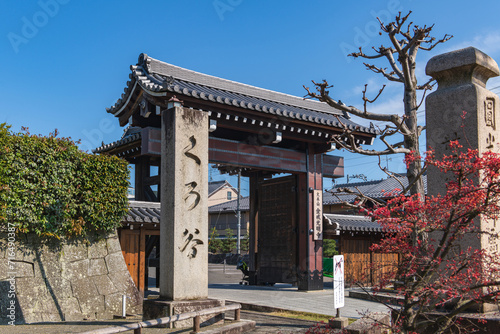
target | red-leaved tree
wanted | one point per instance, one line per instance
(438, 277)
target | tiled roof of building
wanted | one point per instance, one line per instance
(158, 78)
(143, 212)
(231, 205)
(376, 189)
(351, 223)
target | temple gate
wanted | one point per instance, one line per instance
(258, 132)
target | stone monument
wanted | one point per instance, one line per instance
(463, 109)
(184, 218)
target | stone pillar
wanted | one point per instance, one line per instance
(461, 77)
(184, 218)
(184, 207)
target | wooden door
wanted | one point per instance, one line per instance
(277, 233)
(130, 242)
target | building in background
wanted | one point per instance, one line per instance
(220, 192)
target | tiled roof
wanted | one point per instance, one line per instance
(158, 78)
(351, 223)
(143, 212)
(231, 205)
(376, 189)
(149, 212)
(390, 186)
(124, 140)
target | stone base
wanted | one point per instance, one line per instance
(159, 308)
(338, 323)
(372, 323)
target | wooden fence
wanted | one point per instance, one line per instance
(358, 259)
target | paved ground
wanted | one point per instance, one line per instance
(224, 284)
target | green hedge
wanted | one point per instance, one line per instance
(51, 188)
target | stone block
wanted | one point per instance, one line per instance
(31, 255)
(49, 268)
(338, 323)
(113, 303)
(71, 309)
(3, 269)
(23, 269)
(373, 323)
(120, 280)
(92, 306)
(83, 289)
(33, 288)
(115, 262)
(98, 249)
(97, 267)
(113, 244)
(135, 300)
(104, 285)
(51, 317)
(76, 270)
(31, 318)
(158, 308)
(74, 252)
(19, 253)
(60, 287)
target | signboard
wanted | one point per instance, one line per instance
(338, 281)
(318, 214)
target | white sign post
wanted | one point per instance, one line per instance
(338, 282)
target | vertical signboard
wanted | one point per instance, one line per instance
(318, 214)
(338, 281)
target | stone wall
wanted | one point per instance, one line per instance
(61, 280)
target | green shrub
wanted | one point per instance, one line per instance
(49, 187)
(214, 244)
(329, 248)
(229, 242)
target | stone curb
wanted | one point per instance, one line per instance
(240, 326)
(269, 309)
(380, 297)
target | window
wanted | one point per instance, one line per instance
(229, 194)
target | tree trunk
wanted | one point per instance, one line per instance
(412, 142)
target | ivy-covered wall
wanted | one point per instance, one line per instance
(51, 188)
(60, 258)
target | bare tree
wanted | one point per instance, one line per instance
(406, 40)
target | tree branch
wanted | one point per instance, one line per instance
(376, 69)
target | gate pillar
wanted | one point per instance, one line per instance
(310, 244)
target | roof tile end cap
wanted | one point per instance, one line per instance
(144, 61)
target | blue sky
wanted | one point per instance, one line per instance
(65, 61)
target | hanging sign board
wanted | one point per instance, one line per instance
(338, 281)
(318, 214)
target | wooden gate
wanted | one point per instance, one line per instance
(277, 231)
(132, 244)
